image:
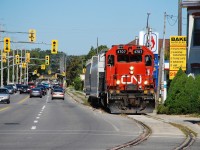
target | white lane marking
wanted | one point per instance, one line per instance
(43, 107)
(39, 114)
(37, 117)
(33, 127)
(35, 121)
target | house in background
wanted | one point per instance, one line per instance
(193, 35)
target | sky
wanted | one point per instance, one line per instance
(77, 24)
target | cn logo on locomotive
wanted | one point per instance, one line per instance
(131, 78)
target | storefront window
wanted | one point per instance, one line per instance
(196, 40)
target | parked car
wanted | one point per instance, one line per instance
(10, 88)
(24, 89)
(36, 92)
(4, 95)
(58, 93)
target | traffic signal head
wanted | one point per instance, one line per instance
(54, 46)
(4, 57)
(28, 57)
(6, 44)
(47, 60)
(32, 35)
(17, 59)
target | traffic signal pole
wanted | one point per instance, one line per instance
(1, 63)
(8, 74)
(13, 77)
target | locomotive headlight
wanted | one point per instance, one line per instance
(131, 68)
(131, 72)
(118, 82)
(146, 82)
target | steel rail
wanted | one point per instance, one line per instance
(143, 136)
(190, 135)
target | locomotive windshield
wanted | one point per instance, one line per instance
(129, 58)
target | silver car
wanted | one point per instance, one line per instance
(4, 95)
(58, 93)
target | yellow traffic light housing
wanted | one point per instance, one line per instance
(43, 67)
(47, 60)
(54, 46)
(17, 59)
(6, 44)
(32, 35)
(28, 57)
(35, 72)
(4, 57)
(23, 65)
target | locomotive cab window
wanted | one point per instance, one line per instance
(122, 58)
(135, 58)
(148, 60)
(111, 60)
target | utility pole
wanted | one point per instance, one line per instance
(21, 69)
(179, 18)
(13, 77)
(17, 72)
(97, 46)
(1, 63)
(148, 37)
(25, 67)
(160, 89)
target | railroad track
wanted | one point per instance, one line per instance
(190, 135)
(189, 140)
(142, 137)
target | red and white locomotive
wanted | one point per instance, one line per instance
(121, 79)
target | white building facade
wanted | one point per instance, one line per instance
(193, 35)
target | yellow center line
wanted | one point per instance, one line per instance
(23, 100)
(2, 109)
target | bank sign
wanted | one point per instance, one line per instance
(177, 55)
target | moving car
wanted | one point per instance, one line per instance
(14, 87)
(4, 95)
(19, 87)
(24, 89)
(10, 89)
(58, 93)
(31, 85)
(36, 92)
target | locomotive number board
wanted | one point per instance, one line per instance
(121, 51)
(138, 51)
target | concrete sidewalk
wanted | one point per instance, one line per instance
(193, 123)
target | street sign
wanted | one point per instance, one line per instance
(152, 42)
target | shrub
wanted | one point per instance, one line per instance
(183, 96)
(77, 83)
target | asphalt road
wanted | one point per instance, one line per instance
(42, 124)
